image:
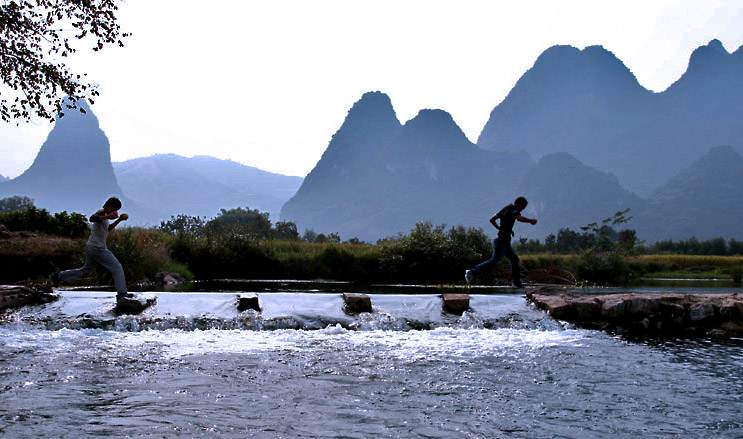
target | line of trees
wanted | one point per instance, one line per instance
(19, 213)
(248, 221)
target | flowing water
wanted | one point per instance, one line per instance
(193, 366)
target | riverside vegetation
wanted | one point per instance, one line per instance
(242, 243)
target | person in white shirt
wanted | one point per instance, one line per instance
(96, 250)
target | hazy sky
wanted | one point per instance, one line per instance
(267, 83)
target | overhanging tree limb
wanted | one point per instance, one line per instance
(35, 35)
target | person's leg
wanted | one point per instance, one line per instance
(515, 266)
(498, 251)
(77, 273)
(104, 257)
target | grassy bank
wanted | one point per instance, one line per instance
(429, 257)
(690, 266)
(242, 244)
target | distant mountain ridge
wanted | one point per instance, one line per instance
(603, 143)
(372, 186)
(565, 193)
(578, 136)
(587, 103)
(202, 185)
(702, 201)
(72, 170)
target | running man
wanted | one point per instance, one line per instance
(96, 250)
(502, 243)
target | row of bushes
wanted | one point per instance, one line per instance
(70, 225)
(427, 255)
(242, 243)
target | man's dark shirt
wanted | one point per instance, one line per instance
(507, 217)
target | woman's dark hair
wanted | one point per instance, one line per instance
(521, 201)
(112, 202)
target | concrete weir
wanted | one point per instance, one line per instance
(456, 303)
(671, 314)
(357, 303)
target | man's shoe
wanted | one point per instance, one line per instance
(125, 296)
(468, 276)
(518, 285)
(55, 279)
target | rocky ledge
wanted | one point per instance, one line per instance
(670, 314)
(12, 296)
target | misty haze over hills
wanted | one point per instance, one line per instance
(601, 142)
(378, 177)
(202, 185)
(73, 172)
(577, 135)
(588, 104)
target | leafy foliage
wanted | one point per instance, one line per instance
(606, 261)
(143, 253)
(431, 254)
(249, 221)
(34, 36)
(15, 202)
(184, 224)
(693, 246)
(286, 230)
(73, 225)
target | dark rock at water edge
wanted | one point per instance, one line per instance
(165, 278)
(12, 296)
(669, 314)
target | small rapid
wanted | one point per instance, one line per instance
(289, 310)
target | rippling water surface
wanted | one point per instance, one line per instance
(303, 368)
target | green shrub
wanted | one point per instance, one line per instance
(231, 254)
(737, 274)
(33, 219)
(603, 267)
(15, 202)
(34, 258)
(143, 253)
(430, 255)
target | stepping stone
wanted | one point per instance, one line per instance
(248, 301)
(357, 303)
(456, 303)
(133, 305)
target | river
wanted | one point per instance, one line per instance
(193, 366)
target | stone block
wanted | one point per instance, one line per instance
(134, 304)
(701, 312)
(357, 303)
(248, 301)
(587, 310)
(614, 309)
(456, 303)
(642, 306)
(12, 296)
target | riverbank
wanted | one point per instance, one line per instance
(668, 314)
(30, 258)
(12, 296)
